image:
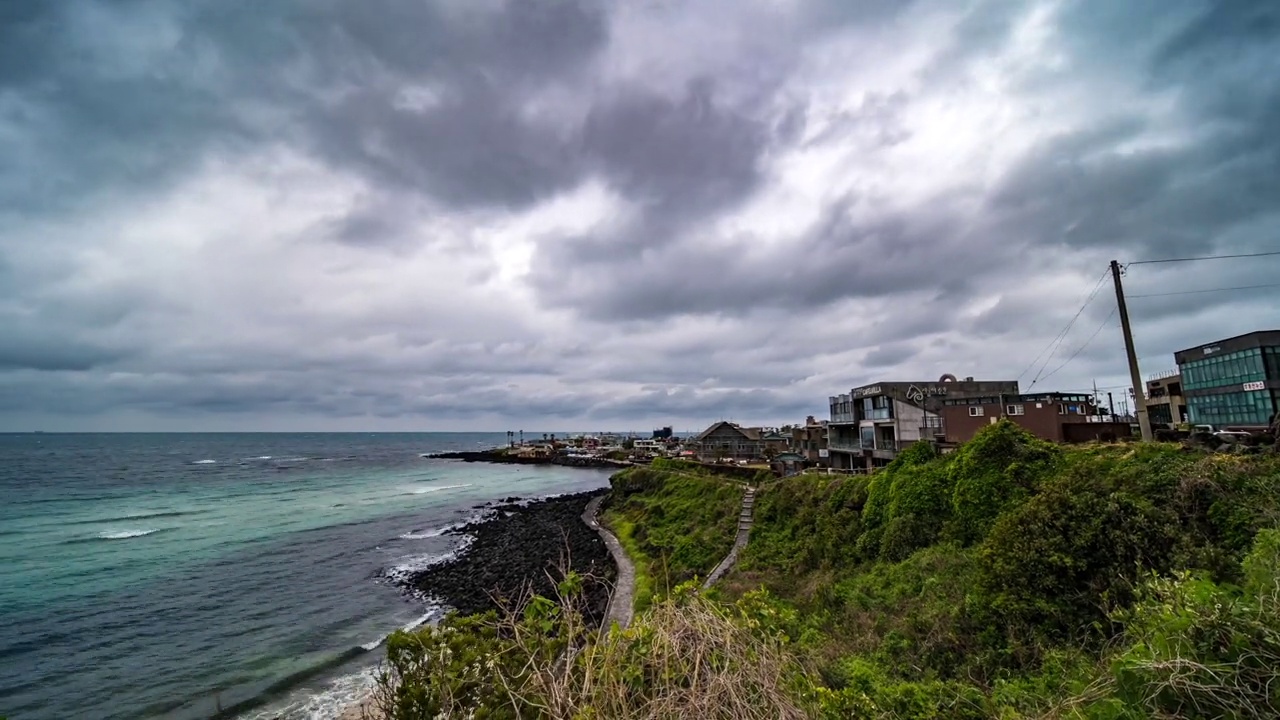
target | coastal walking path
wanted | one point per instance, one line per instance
(624, 588)
(745, 516)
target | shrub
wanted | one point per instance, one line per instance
(1068, 555)
(864, 690)
(997, 469)
(1198, 649)
(807, 522)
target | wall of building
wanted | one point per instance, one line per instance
(1039, 417)
(910, 420)
(1077, 432)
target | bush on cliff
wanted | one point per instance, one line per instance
(1061, 561)
(997, 469)
(806, 522)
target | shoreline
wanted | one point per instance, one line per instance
(496, 455)
(512, 548)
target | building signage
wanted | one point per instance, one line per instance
(1212, 350)
(918, 394)
(1255, 386)
(823, 453)
(869, 390)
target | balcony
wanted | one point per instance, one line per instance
(853, 446)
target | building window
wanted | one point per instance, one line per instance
(1062, 409)
(1016, 410)
(976, 411)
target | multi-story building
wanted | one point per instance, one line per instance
(1165, 403)
(810, 442)
(872, 423)
(1059, 417)
(1233, 383)
(729, 441)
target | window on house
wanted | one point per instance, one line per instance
(1062, 409)
(1015, 410)
(976, 411)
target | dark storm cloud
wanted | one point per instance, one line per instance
(838, 258)
(796, 199)
(132, 94)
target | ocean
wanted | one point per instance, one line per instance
(177, 576)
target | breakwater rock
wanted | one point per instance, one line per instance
(494, 456)
(515, 550)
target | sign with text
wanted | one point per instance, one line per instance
(918, 394)
(1255, 386)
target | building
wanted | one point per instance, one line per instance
(872, 423)
(773, 440)
(728, 441)
(1165, 403)
(656, 447)
(787, 464)
(810, 442)
(1058, 417)
(1232, 383)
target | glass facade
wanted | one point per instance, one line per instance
(1234, 368)
(1233, 408)
(1224, 377)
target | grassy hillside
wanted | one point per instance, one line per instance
(1010, 579)
(1002, 576)
(675, 520)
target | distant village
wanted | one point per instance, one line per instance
(1229, 388)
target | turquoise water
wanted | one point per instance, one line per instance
(168, 576)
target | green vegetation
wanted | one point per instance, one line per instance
(675, 521)
(1010, 579)
(686, 657)
(999, 580)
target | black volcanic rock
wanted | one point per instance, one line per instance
(517, 547)
(496, 456)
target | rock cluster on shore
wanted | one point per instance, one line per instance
(497, 456)
(522, 545)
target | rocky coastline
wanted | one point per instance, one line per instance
(520, 546)
(497, 456)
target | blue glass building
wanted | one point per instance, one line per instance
(1233, 383)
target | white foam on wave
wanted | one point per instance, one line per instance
(436, 488)
(414, 625)
(426, 535)
(126, 534)
(339, 695)
(407, 566)
(204, 462)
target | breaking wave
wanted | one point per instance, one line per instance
(435, 488)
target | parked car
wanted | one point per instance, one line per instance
(1233, 436)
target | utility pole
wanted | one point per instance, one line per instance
(1139, 398)
(1111, 403)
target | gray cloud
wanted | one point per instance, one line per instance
(445, 214)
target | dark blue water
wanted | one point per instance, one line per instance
(168, 575)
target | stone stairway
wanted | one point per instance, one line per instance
(745, 516)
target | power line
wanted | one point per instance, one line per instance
(1085, 345)
(1210, 290)
(1205, 257)
(1062, 335)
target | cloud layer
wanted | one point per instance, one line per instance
(562, 214)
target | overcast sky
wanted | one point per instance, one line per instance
(551, 214)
